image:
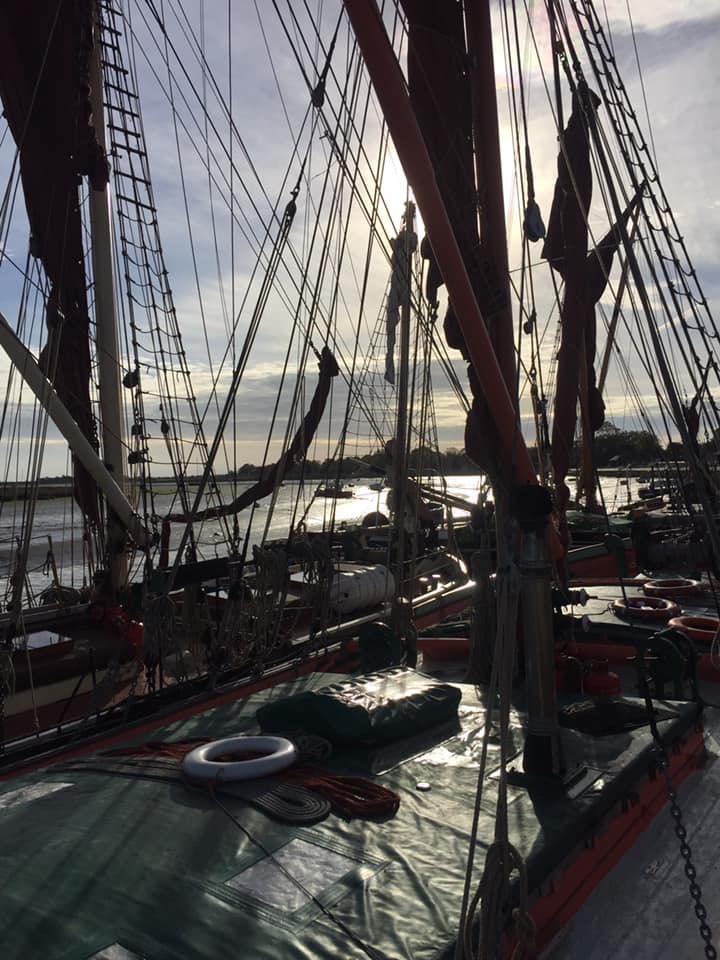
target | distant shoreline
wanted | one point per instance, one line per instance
(61, 487)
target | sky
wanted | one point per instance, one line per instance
(253, 55)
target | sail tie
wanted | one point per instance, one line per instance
(317, 96)
(533, 225)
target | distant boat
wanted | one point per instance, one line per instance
(334, 493)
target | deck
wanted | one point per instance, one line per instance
(92, 859)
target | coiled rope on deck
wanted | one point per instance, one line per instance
(348, 796)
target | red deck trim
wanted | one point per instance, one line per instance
(577, 878)
(622, 653)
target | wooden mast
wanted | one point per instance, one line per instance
(106, 330)
(542, 753)
(400, 452)
(542, 745)
(401, 607)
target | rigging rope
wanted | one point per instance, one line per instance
(502, 858)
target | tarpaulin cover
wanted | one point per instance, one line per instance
(376, 707)
(89, 859)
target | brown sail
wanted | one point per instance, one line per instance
(44, 57)
(440, 95)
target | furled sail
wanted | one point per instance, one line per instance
(566, 248)
(399, 293)
(585, 275)
(440, 95)
(293, 455)
(44, 59)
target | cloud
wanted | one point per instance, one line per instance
(270, 139)
(659, 16)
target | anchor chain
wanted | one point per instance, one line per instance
(6, 685)
(680, 828)
(686, 853)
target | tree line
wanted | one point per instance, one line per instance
(612, 447)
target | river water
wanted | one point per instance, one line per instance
(59, 519)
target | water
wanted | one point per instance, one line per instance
(60, 520)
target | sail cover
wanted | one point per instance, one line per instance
(44, 59)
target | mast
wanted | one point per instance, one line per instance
(106, 329)
(400, 459)
(493, 235)
(543, 755)
(542, 752)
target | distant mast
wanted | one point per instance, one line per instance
(391, 88)
(402, 261)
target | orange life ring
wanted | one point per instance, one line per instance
(671, 588)
(646, 608)
(700, 629)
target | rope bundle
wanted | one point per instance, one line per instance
(348, 796)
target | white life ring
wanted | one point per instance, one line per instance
(199, 763)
